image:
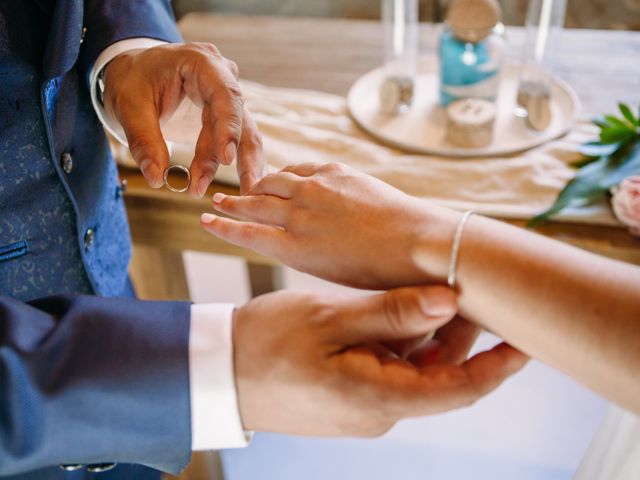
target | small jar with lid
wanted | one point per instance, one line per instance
(472, 50)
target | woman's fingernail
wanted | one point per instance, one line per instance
(207, 218)
(203, 184)
(230, 153)
(219, 197)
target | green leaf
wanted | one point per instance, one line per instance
(626, 113)
(598, 149)
(616, 135)
(595, 179)
(617, 123)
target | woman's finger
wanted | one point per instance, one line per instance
(264, 239)
(282, 184)
(265, 209)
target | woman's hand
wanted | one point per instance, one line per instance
(336, 223)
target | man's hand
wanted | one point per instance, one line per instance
(144, 88)
(335, 223)
(322, 365)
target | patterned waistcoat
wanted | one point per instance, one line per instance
(63, 227)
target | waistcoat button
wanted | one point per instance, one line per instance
(122, 188)
(89, 237)
(67, 163)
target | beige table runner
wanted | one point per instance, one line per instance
(307, 126)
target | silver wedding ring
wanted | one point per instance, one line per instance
(183, 171)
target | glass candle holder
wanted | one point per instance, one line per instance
(545, 20)
(400, 24)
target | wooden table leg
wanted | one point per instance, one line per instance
(203, 466)
(264, 278)
(158, 274)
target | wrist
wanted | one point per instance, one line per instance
(434, 240)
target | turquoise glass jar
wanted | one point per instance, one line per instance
(472, 50)
(470, 70)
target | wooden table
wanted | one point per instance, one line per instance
(329, 55)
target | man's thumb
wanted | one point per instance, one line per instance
(397, 314)
(145, 140)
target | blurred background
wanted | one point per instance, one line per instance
(608, 14)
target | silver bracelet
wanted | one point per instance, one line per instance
(455, 249)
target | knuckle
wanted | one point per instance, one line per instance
(234, 131)
(139, 145)
(376, 428)
(297, 219)
(207, 163)
(193, 53)
(393, 309)
(246, 233)
(202, 49)
(232, 88)
(245, 175)
(412, 303)
(222, 227)
(311, 186)
(233, 66)
(255, 140)
(122, 101)
(229, 203)
(325, 313)
(332, 167)
(236, 235)
(470, 400)
(322, 313)
(267, 179)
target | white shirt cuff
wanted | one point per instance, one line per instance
(111, 52)
(215, 415)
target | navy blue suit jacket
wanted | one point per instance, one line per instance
(83, 379)
(88, 380)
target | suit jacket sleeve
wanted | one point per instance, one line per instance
(93, 380)
(109, 21)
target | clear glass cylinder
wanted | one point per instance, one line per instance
(400, 26)
(544, 23)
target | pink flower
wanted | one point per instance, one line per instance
(626, 203)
